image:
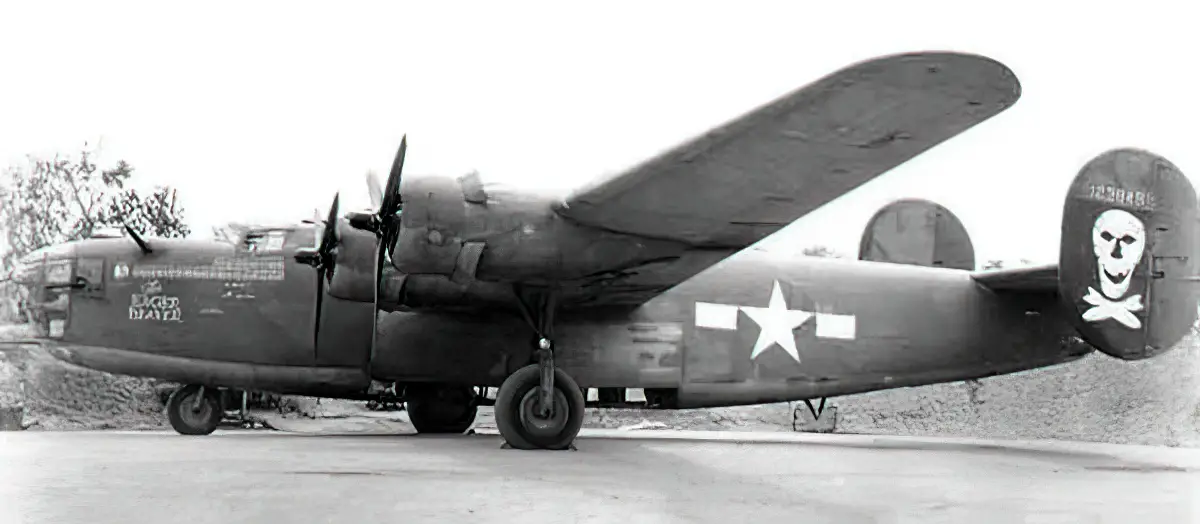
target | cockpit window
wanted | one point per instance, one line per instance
(265, 241)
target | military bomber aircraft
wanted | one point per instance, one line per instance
(642, 279)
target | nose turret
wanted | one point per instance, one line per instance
(45, 276)
(49, 265)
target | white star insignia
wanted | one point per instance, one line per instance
(776, 322)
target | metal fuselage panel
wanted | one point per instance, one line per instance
(203, 300)
(859, 326)
(752, 328)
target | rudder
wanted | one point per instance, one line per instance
(1128, 254)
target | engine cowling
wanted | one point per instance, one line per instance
(436, 227)
(354, 274)
(454, 228)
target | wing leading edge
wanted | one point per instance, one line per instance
(742, 181)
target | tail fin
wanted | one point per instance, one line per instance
(917, 232)
(1129, 254)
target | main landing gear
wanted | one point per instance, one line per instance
(539, 406)
(441, 409)
(195, 410)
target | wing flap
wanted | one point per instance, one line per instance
(747, 179)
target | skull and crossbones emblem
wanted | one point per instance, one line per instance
(1119, 241)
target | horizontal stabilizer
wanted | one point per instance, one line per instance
(1025, 279)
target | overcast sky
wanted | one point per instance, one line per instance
(262, 110)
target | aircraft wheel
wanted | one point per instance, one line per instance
(442, 410)
(194, 410)
(517, 415)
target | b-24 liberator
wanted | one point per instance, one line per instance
(645, 278)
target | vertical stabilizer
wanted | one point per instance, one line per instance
(1128, 254)
(917, 232)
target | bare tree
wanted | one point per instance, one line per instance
(60, 198)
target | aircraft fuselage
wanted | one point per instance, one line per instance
(753, 328)
(853, 327)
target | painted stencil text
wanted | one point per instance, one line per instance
(162, 308)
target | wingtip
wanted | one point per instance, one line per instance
(1013, 88)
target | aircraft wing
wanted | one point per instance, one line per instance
(742, 181)
(746, 179)
(1036, 279)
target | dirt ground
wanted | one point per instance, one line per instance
(1099, 399)
(61, 396)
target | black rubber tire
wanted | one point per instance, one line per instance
(517, 389)
(448, 410)
(193, 422)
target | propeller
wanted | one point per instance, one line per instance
(321, 256)
(375, 189)
(323, 260)
(384, 223)
(329, 239)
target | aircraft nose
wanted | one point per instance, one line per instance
(46, 276)
(51, 265)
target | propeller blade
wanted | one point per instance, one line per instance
(326, 264)
(375, 189)
(317, 312)
(386, 223)
(329, 239)
(391, 193)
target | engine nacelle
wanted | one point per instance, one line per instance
(454, 228)
(917, 232)
(354, 272)
(1129, 254)
(436, 224)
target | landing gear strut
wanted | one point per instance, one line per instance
(195, 410)
(539, 406)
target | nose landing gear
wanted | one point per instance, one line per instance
(194, 410)
(539, 406)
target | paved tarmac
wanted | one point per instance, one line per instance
(626, 477)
